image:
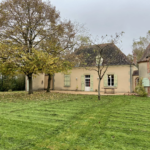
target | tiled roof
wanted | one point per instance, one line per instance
(111, 55)
(135, 73)
(146, 54)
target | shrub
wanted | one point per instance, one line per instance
(140, 90)
(15, 83)
(19, 83)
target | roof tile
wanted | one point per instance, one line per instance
(111, 54)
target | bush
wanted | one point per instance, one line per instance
(140, 90)
(16, 83)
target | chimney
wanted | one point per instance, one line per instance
(134, 59)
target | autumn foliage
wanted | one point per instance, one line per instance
(33, 39)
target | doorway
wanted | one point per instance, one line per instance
(87, 82)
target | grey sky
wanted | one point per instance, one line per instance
(103, 17)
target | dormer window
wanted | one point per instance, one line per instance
(99, 60)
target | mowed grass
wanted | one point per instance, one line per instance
(54, 121)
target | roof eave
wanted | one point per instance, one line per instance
(142, 61)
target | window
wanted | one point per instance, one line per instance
(136, 81)
(67, 80)
(87, 80)
(110, 80)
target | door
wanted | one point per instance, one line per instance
(87, 82)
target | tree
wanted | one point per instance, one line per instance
(104, 59)
(61, 46)
(7, 67)
(140, 90)
(130, 57)
(24, 25)
(139, 46)
(59, 66)
(63, 63)
(11, 64)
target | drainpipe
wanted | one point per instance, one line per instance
(130, 78)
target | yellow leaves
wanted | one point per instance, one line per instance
(20, 59)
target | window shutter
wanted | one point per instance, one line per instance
(91, 83)
(105, 80)
(82, 83)
(115, 80)
(66, 80)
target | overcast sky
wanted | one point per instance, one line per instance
(103, 17)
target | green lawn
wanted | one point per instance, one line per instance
(73, 122)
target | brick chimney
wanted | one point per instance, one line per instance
(134, 59)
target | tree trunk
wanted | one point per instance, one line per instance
(49, 82)
(30, 84)
(99, 97)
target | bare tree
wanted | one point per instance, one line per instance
(139, 46)
(103, 53)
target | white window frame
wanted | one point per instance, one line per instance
(110, 76)
(87, 77)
